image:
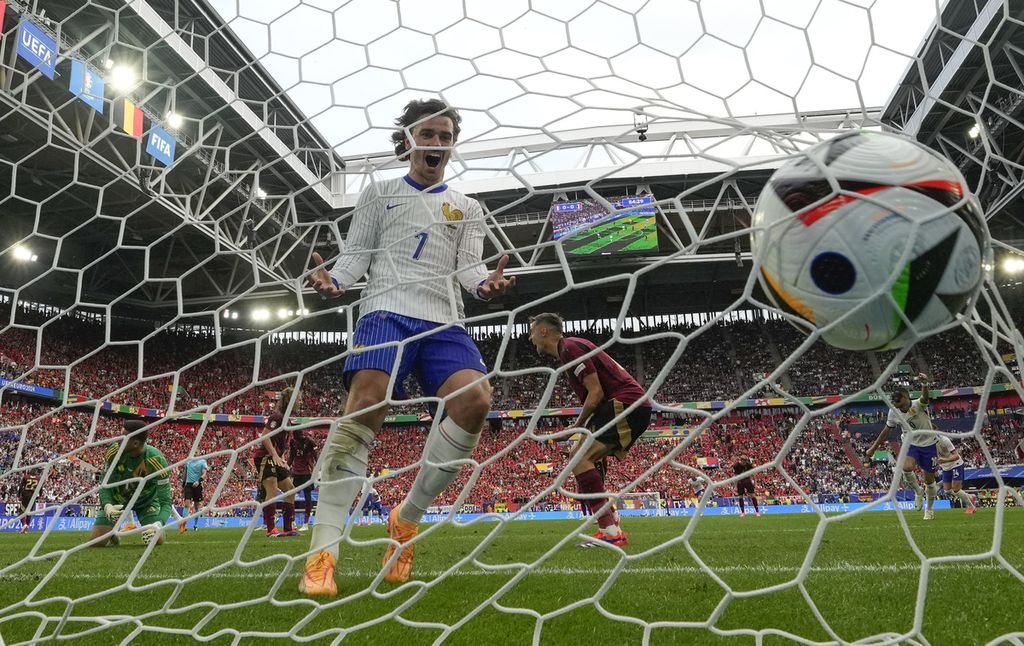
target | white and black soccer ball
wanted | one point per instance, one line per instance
(832, 225)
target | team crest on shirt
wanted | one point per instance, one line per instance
(450, 214)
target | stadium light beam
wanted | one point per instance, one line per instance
(260, 314)
(282, 313)
(123, 78)
(24, 253)
(1013, 264)
(260, 193)
(234, 315)
(974, 131)
(175, 120)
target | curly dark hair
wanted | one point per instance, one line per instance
(418, 110)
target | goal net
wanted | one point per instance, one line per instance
(168, 170)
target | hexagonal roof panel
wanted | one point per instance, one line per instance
(532, 67)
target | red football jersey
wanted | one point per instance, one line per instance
(302, 459)
(279, 440)
(615, 381)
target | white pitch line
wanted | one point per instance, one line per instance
(763, 568)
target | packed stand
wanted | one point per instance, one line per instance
(953, 359)
(821, 369)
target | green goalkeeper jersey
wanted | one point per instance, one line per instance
(156, 489)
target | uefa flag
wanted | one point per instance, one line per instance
(87, 85)
(128, 117)
(37, 48)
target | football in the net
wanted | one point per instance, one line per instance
(869, 237)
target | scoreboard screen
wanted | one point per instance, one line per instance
(590, 229)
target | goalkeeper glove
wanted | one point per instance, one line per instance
(113, 512)
(151, 532)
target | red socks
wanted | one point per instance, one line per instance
(289, 516)
(591, 482)
(270, 516)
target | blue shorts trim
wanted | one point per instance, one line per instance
(924, 456)
(431, 359)
(956, 473)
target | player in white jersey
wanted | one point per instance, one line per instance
(952, 466)
(420, 242)
(912, 417)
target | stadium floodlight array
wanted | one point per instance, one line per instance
(544, 87)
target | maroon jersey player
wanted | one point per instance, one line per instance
(745, 485)
(26, 492)
(606, 391)
(272, 469)
(302, 455)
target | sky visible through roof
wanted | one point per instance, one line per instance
(514, 67)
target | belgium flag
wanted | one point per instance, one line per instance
(128, 117)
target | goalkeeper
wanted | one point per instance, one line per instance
(153, 504)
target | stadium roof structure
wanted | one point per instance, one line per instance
(260, 181)
(969, 76)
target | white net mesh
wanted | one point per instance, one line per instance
(137, 280)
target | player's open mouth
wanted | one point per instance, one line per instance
(432, 159)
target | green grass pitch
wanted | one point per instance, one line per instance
(863, 580)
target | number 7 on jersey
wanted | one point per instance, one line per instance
(422, 235)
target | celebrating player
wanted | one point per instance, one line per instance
(912, 417)
(372, 505)
(192, 490)
(745, 485)
(952, 465)
(302, 455)
(272, 469)
(606, 390)
(134, 459)
(26, 492)
(418, 240)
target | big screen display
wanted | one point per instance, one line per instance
(590, 229)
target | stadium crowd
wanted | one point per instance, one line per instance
(515, 467)
(721, 362)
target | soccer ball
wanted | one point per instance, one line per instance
(838, 260)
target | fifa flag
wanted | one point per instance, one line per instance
(128, 117)
(38, 49)
(161, 145)
(87, 85)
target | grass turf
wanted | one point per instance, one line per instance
(864, 580)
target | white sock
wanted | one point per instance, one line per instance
(930, 491)
(612, 530)
(964, 497)
(910, 478)
(341, 479)
(447, 442)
